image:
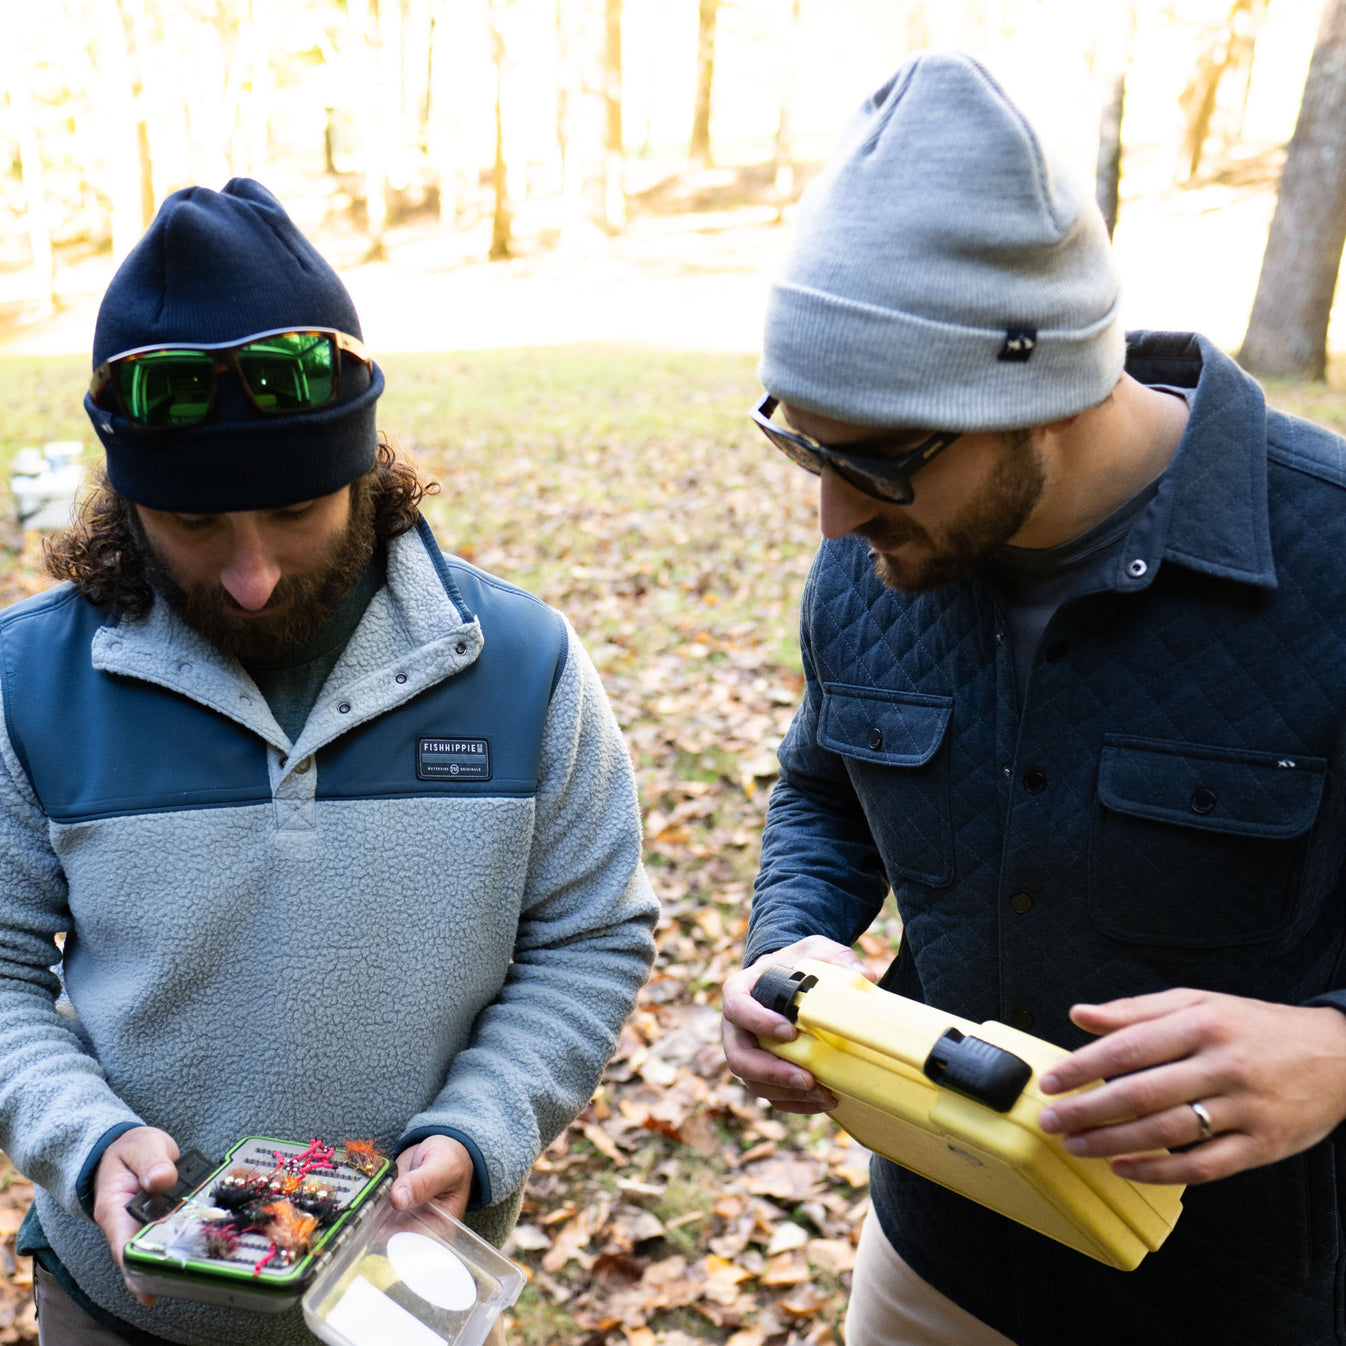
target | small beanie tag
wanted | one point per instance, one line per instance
(1020, 343)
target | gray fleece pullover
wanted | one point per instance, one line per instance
(427, 914)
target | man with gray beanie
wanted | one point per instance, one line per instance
(340, 831)
(1075, 657)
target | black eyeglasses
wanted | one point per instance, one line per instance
(861, 464)
(173, 385)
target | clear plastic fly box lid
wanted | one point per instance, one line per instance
(417, 1278)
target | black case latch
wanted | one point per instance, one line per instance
(777, 987)
(978, 1069)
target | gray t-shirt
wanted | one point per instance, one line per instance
(1035, 581)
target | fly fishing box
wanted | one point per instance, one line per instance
(249, 1234)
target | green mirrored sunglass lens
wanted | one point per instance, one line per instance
(167, 388)
(288, 372)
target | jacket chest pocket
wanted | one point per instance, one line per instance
(1197, 846)
(891, 742)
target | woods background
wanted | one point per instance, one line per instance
(558, 219)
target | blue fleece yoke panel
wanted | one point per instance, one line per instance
(92, 742)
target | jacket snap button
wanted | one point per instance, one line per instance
(876, 739)
(304, 766)
(1202, 801)
(461, 647)
(1021, 902)
(1137, 568)
(1021, 1018)
(401, 677)
(344, 707)
(1034, 782)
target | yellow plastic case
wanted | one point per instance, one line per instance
(958, 1102)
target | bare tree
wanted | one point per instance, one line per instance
(369, 61)
(783, 159)
(14, 67)
(1226, 47)
(500, 220)
(1287, 332)
(612, 96)
(123, 138)
(589, 117)
(1112, 53)
(707, 12)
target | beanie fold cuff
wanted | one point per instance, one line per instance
(839, 358)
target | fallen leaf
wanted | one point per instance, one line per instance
(834, 1255)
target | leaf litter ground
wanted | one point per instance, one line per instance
(628, 488)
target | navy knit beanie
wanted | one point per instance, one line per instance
(221, 266)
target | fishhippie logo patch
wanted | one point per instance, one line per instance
(453, 758)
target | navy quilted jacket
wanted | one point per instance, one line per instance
(1166, 809)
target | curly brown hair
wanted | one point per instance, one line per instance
(102, 553)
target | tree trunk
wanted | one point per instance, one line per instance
(138, 42)
(14, 62)
(699, 149)
(500, 221)
(364, 41)
(1225, 48)
(612, 96)
(1287, 332)
(119, 118)
(1111, 58)
(783, 158)
(584, 117)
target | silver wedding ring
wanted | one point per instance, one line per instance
(1202, 1120)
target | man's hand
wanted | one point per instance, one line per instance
(1272, 1079)
(437, 1166)
(780, 1083)
(140, 1160)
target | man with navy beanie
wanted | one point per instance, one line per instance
(339, 831)
(1075, 657)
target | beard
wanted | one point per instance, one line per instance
(299, 605)
(929, 560)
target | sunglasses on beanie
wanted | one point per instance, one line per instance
(173, 385)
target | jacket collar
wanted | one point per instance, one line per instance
(415, 632)
(1216, 486)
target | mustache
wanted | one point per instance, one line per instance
(888, 533)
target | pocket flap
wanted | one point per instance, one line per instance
(1255, 794)
(872, 725)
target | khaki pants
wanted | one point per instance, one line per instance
(61, 1322)
(891, 1305)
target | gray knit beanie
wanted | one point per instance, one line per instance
(945, 273)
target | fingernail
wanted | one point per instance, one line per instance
(1048, 1120)
(798, 1081)
(1049, 1084)
(1075, 1145)
(783, 1031)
